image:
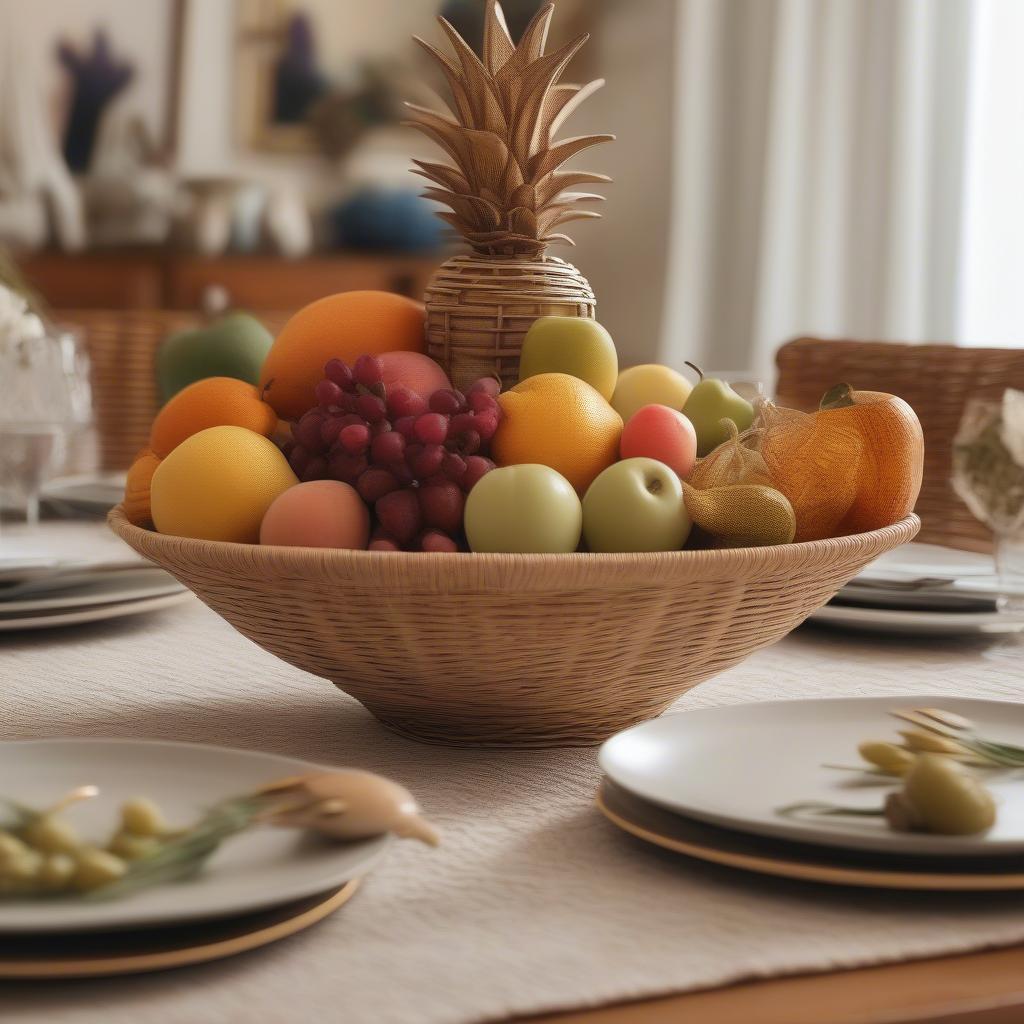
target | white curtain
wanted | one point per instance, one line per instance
(819, 174)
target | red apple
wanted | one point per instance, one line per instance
(414, 371)
(658, 432)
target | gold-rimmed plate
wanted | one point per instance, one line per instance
(88, 955)
(785, 859)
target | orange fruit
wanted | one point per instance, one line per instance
(558, 421)
(136, 487)
(343, 326)
(211, 402)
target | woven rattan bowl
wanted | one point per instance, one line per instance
(513, 650)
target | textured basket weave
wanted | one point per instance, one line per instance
(937, 380)
(513, 650)
(122, 346)
(479, 309)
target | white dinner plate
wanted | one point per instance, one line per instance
(916, 561)
(97, 591)
(118, 610)
(259, 868)
(906, 622)
(88, 493)
(738, 766)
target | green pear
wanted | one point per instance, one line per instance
(710, 402)
(233, 346)
(569, 344)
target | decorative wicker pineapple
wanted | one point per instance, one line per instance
(506, 194)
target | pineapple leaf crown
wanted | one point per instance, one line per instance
(504, 187)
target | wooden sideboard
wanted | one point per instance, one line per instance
(165, 279)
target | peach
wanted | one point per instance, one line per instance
(317, 514)
(415, 371)
(658, 432)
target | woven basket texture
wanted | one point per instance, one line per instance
(479, 309)
(513, 650)
(122, 346)
(937, 380)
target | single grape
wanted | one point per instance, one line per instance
(328, 393)
(446, 401)
(307, 431)
(297, 459)
(426, 462)
(437, 542)
(431, 428)
(355, 439)
(480, 401)
(389, 447)
(486, 425)
(347, 402)
(368, 371)
(330, 429)
(339, 372)
(404, 402)
(441, 504)
(399, 515)
(371, 408)
(460, 423)
(382, 542)
(476, 467)
(375, 483)
(467, 443)
(405, 425)
(380, 427)
(351, 419)
(315, 469)
(453, 467)
(488, 385)
(346, 468)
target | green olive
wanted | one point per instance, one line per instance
(887, 756)
(56, 871)
(94, 868)
(132, 846)
(943, 798)
(18, 872)
(11, 846)
(51, 834)
(927, 742)
(142, 817)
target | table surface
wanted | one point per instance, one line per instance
(122, 679)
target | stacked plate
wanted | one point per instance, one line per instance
(721, 784)
(922, 589)
(41, 592)
(258, 887)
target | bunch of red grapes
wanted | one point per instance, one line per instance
(413, 460)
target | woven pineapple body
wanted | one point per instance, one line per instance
(506, 195)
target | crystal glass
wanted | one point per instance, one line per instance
(45, 400)
(988, 474)
(744, 382)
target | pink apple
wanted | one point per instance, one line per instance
(414, 371)
(658, 432)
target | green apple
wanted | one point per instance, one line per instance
(649, 384)
(711, 402)
(523, 509)
(233, 346)
(572, 345)
(635, 505)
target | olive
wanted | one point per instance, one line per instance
(18, 872)
(94, 868)
(56, 871)
(11, 846)
(939, 796)
(887, 756)
(131, 846)
(51, 835)
(142, 817)
(928, 742)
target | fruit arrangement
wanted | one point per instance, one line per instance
(373, 424)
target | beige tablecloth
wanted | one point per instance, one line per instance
(534, 902)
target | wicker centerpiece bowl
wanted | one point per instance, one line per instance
(513, 650)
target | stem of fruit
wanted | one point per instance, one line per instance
(696, 369)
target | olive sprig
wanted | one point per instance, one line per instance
(949, 733)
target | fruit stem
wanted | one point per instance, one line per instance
(696, 369)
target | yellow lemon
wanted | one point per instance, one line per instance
(217, 484)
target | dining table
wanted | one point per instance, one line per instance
(534, 906)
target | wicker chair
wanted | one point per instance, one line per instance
(937, 380)
(122, 346)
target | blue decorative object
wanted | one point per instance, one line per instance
(96, 77)
(387, 220)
